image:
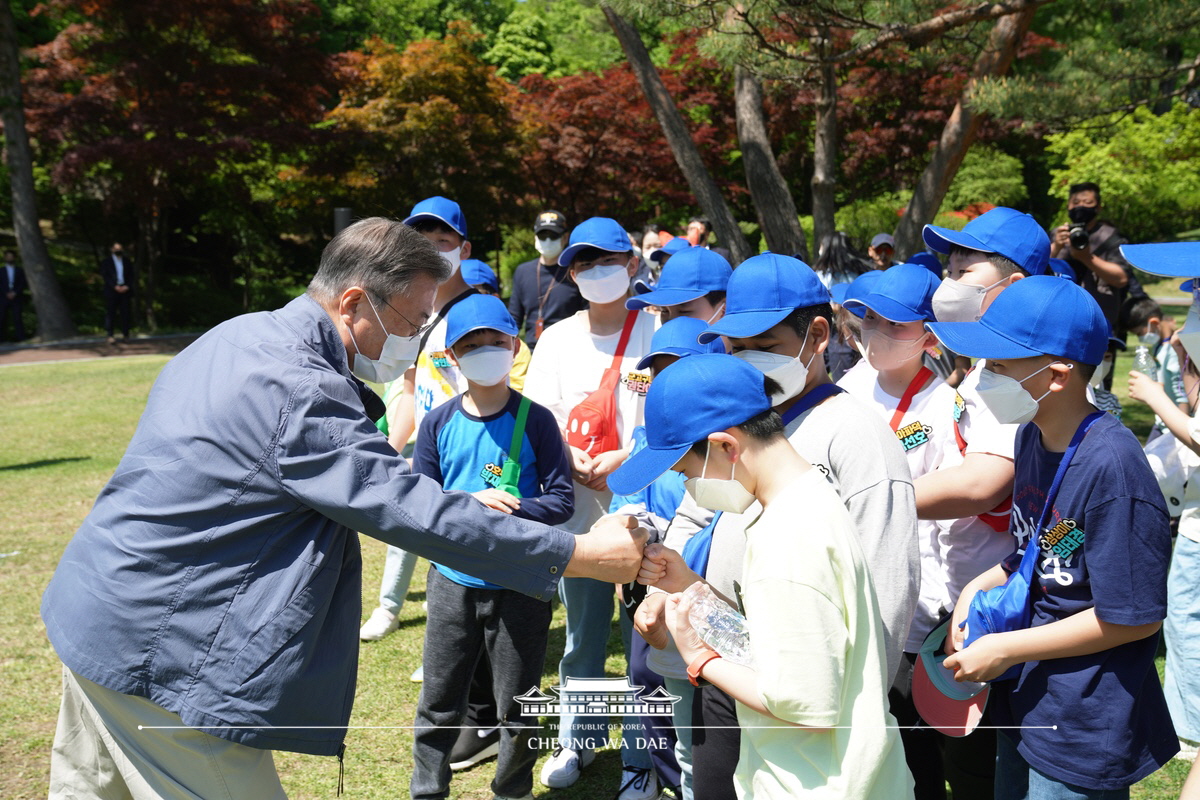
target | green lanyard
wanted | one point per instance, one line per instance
(510, 474)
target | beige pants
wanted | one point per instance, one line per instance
(110, 746)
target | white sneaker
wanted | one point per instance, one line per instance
(418, 675)
(638, 783)
(381, 623)
(564, 766)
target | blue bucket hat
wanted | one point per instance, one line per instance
(477, 312)
(599, 232)
(692, 273)
(762, 292)
(1004, 231)
(676, 245)
(1173, 259)
(688, 400)
(903, 293)
(1040, 315)
(441, 209)
(677, 337)
(475, 272)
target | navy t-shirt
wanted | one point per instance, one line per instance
(545, 291)
(1106, 545)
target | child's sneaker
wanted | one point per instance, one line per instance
(638, 783)
(381, 623)
(473, 746)
(564, 766)
(418, 675)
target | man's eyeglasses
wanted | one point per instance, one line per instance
(420, 330)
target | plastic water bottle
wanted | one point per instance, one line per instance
(1143, 361)
(720, 626)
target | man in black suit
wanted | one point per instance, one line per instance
(117, 272)
(12, 295)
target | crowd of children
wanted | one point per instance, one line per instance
(846, 521)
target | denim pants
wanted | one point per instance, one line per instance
(1016, 780)
(589, 606)
(397, 575)
(1182, 631)
(463, 623)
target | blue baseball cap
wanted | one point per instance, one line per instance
(599, 232)
(677, 245)
(693, 273)
(475, 272)
(856, 289)
(1060, 268)
(441, 209)
(1004, 231)
(1040, 315)
(903, 293)
(929, 261)
(762, 292)
(678, 337)
(1174, 259)
(688, 400)
(476, 312)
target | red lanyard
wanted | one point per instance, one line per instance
(918, 382)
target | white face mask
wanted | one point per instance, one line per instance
(1007, 399)
(885, 353)
(790, 373)
(960, 302)
(1149, 338)
(453, 258)
(1189, 334)
(1097, 379)
(397, 355)
(548, 248)
(486, 366)
(603, 284)
(719, 494)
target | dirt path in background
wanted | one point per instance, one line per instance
(98, 347)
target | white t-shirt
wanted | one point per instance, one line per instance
(926, 435)
(567, 366)
(819, 655)
(969, 547)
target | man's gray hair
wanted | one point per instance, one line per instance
(380, 256)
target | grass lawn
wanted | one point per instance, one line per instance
(65, 428)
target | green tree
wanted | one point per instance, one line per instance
(521, 47)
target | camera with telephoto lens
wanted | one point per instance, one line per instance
(1078, 235)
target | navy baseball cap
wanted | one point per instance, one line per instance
(1040, 315)
(856, 289)
(1173, 259)
(1004, 231)
(677, 337)
(762, 292)
(883, 238)
(476, 312)
(552, 221)
(688, 400)
(929, 261)
(903, 293)
(677, 245)
(441, 209)
(599, 232)
(475, 272)
(692, 273)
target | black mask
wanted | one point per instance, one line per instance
(1082, 215)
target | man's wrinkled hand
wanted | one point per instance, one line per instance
(611, 551)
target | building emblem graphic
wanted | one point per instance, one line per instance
(596, 696)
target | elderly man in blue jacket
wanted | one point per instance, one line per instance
(206, 612)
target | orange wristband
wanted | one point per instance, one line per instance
(698, 664)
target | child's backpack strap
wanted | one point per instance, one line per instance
(510, 473)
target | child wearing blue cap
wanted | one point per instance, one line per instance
(585, 371)
(895, 381)
(1085, 717)
(508, 453)
(692, 284)
(480, 277)
(778, 319)
(813, 704)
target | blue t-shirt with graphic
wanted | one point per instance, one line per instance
(462, 451)
(1106, 545)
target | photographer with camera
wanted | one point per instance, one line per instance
(1092, 247)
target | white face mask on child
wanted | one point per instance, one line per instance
(1007, 399)
(603, 284)
(719, 494)
(790, 373)
(486, 366)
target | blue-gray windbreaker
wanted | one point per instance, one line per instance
(219, 574)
